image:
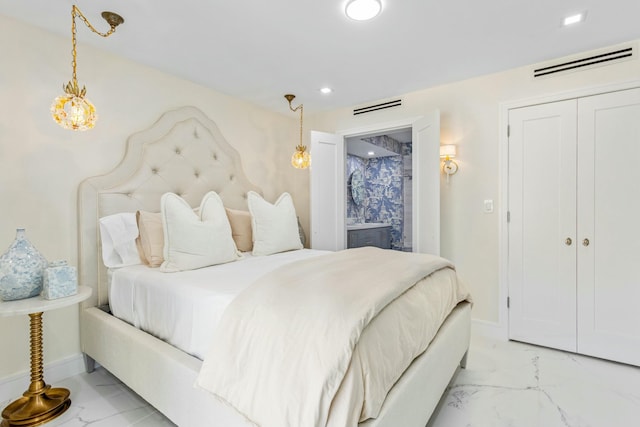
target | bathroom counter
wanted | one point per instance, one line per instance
(367, 225)
(369, 234)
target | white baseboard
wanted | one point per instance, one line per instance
(13, 386)
(487, 329)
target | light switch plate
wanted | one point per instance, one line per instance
(488, 206)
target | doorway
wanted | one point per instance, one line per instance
(379, 189)
(328, 189)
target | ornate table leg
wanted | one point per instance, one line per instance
(40, 403)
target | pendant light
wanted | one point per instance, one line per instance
(301, 158)
(73, 110)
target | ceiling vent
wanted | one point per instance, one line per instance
(376, 107)
(605, 58)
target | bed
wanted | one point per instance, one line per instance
(185, 153)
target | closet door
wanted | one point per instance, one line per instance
(609, 218)
(542, 225)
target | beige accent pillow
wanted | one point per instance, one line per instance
(150, 240)
(274, 226)
(240, 222)
(193, 241)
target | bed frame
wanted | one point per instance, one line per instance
(185, 153)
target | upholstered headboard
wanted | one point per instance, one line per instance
(184, 153)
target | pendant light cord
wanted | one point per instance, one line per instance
(76, 12)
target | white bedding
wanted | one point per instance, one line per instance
(333, 333)
(184, 308)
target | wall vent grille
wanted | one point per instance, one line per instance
(617, 55)
(376, 107)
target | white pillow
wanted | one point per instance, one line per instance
(118, 234)
(195, 240)
(275, 227)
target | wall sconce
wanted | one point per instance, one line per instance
(72, 110)
(449, 167)
(301, 158)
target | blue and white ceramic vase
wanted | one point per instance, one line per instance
(21, 269)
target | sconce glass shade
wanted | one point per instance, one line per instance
(74, 112)
(447, 151)
(301, 159)
(449, 167)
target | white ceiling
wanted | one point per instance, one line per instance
(259, 50)
(357, 147)
(360, 148)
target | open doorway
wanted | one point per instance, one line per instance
(379, 189)
(328, 183)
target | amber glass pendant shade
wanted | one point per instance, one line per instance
(301, 158)
(74, 112)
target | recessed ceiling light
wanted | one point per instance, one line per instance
(371, 153)
(326, 90)
(362, 10)
(573, 19)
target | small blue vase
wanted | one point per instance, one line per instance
(21, 269)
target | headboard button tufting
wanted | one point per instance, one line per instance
(181, 143)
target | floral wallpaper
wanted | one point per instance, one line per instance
(384, 201)
(384, 179)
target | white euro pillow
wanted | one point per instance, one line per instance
(274, 226)
(194, 240)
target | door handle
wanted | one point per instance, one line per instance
(585, 242)
(568, 241)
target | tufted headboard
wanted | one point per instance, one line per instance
(184, 153)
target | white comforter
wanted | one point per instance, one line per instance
(183, 308)
(320, 342)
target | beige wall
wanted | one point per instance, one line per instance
(470, 119)
(41, 164)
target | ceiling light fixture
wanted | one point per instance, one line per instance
(363, 10)
(326, 90)
(573, 19)
(72, 110)
(301, 158)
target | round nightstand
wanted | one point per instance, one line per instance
(40, 403)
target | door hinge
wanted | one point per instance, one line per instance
(508, 216)
(508, 302)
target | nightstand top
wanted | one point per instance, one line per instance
(39, 304)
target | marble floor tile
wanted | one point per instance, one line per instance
(506, 384)
(101, 400)
(511, 384)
